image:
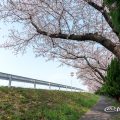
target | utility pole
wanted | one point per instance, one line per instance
(72, 74)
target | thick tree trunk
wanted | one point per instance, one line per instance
(118, 98)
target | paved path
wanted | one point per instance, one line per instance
(97, 112)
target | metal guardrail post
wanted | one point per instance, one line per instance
(66, 87)
(10, 80)
(34, 84)
(75, 90)
(59, 87)
(71, 88)
(49, 86)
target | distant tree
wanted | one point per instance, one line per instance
(91, 64)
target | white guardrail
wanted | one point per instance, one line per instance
(10, 78)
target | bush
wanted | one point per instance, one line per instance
(112, 84)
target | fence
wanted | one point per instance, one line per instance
(10, 78)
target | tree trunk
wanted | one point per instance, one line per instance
(118, 98)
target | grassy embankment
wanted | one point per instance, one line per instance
(30, 104)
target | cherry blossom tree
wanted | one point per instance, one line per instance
(91, 64)
(79, 33)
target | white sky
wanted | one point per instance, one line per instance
(28, 65)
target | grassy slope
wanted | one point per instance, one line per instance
(115, 104)
(116, 117)
(30, 104)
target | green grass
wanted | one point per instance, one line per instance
(31, 104)
(116, 104)
(117, 117)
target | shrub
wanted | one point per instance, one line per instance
(112, 84)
